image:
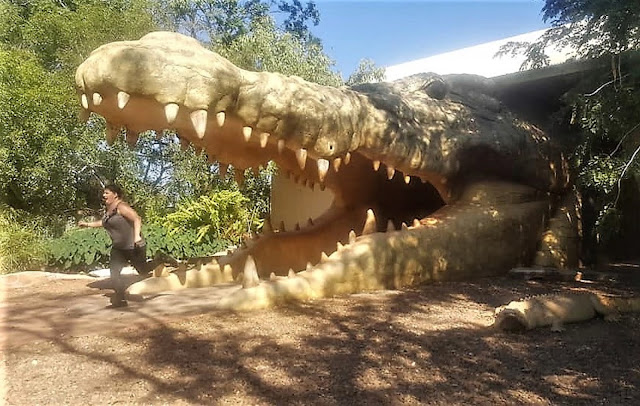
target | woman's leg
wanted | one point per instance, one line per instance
(139, 259)
(117, 260)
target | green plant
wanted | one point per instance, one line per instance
(21, 243)
(182, 244)
(80, 248)
(219, 215)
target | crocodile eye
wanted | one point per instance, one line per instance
(436, 88)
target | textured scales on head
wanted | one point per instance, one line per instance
(439, 153)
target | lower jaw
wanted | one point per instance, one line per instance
(457, 242)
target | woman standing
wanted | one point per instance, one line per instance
(123, 225)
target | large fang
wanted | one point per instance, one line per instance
(390, 172)
(376, 165)
(199, 121)
(323, 168)
(112, 133)
(220, 118)
(347, 158)
(390, 226)
(184, 144)
(336, 164)
(280, 146)
(370, 224)
(246, 133)
(84, 101)
(407, 179)
(264, 138)
(170, 111)
(222, 170)
(97, 99)
(123, 99)
(301, 155)
(250, 276)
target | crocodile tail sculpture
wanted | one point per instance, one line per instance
(433, 178)
(555, 310)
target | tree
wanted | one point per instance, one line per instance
(603, 117)
(366, 72)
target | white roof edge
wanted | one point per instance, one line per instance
(477, 59)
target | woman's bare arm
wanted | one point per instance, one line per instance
(127, 212)
(90, 224)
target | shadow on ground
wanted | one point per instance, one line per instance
(430, 345)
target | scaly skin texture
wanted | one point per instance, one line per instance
(433, 178)
(558, 309)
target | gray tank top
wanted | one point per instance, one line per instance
(119, 228)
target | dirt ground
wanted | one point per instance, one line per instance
(429, 345)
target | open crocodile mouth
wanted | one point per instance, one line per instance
(418, 178)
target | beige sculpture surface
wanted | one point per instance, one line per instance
(433, 177)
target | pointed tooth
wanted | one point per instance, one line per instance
(282, 228)
(323, 256)
(246, 133)
(250, 275)
(97, 99)
(416, 223)
(376, 165)
(309, 266)
(390, 172)
(336, 164)
(272, 276)
(390, 226)
(309, 222)
(184, 144)
(264, 138)
(199, 121)
(132, 138)
(352, 237)
(404, 226)
(291, 273)
(370, 225)
(84, 101)
(239, 177)
(339, 246)
(347, 158)
(323, 168)
(123, 99)
(322, 187)
(112, 133)
(220, 116)
(84, 115)
(222, 169)
(170, 112)
(407, 179)
(280, 146)
(297, 227)
(301, 156)
(267, 228)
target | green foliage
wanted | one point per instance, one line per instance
(366, 72)
(22, 245)
(218, 215)
(182, 244)
(79, 249)
(265, 48)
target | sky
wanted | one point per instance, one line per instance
(390, 32)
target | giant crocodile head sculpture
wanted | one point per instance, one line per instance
(433, 178)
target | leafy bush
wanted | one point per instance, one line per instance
(219, 215)
(182, 244)
(22, 245)
(81, 249)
